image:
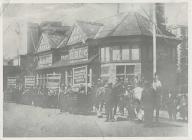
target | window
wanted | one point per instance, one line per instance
(130, 69)
(45, 60)
(135, 54)
(120, 69)
(105, 54)
(125, 53)
(116, 53)
(125, 72)
(102, 54)
(64, 57)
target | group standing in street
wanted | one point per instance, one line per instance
(135, 100)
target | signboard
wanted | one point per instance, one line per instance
(11, 82)
(53, 81)
(79, 54)
(80, 75)
(29, 81)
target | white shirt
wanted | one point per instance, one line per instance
(156, 84)
(138, 92)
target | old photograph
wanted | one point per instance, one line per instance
(95, 69)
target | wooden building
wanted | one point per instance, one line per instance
(51, 45)
(116, 47)
(126, 49)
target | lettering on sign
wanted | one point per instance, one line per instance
(29, 81)
(79, 54)
(53, 80)
(80, 75)
(11, 81)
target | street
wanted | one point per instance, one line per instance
(29, 121)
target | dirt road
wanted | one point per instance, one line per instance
(30, 121)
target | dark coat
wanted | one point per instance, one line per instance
(147, 101)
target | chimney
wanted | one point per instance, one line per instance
(160, 16)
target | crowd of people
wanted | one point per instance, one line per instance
(140, 100)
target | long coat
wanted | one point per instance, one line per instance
(147, 100)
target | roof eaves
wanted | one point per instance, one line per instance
(117, 26)
(138, 24)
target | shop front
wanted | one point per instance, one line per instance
(77, 67)
(120, 61)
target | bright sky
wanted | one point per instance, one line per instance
(68, 13)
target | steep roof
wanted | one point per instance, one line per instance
(83, 30)
(89, 28)
(126, 24)
(50, 40)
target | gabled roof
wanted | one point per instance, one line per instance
(126, 24)
(83, 30)
(50, 40)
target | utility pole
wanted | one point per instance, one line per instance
(154, 40)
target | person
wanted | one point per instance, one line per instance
(157, 96)
(61, 98)
(171, 106)
(137, 100)
(147, 101)
(108, 101)
(183, 108)
(117, 92)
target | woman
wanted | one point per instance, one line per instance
(147, 101)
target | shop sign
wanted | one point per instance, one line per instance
(53, 80)
(80, 75)
(29, 81)
(11, 81)
(79, 54)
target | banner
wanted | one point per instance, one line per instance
(53, 81)
(80, 75)
(11, 82)
(79, 54)
(29, 81)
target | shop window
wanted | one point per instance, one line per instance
(120, 69)
(116, 53)
(125, 72)
(135, 53)
(125, 53)
(130, 69)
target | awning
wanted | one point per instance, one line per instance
(64, 63)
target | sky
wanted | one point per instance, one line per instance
(19, 14)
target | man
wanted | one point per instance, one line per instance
(147, 101)
(171, 106)
(108, 101)
(157, 96)
(117, 92)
